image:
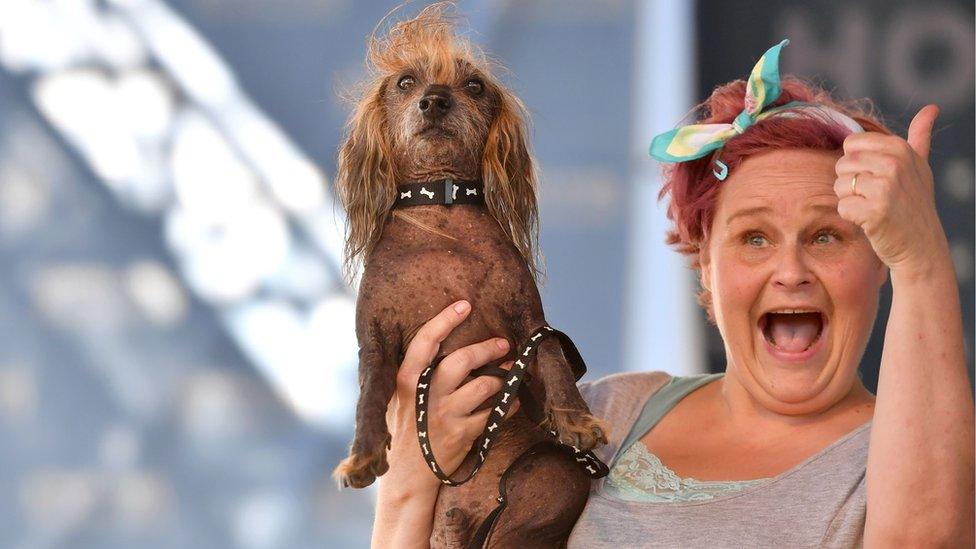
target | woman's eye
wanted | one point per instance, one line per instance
(474, 86)
(405, 82)
(824, 237)
(755, 239)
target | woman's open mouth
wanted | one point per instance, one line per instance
(793, 334)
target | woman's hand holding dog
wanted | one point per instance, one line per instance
(408, 491)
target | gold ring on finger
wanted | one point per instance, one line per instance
(854, 185)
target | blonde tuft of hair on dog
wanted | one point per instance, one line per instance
(366, 177)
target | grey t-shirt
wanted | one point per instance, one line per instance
(819, 503)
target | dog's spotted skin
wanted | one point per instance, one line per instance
(420, 260)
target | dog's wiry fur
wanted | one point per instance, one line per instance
(418, 261)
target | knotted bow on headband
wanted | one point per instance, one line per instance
(697, 140)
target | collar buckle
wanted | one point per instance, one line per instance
(448, 192)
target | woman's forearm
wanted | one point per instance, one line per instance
(920, 462)
(403, 516)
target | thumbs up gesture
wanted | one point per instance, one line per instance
(884, 185)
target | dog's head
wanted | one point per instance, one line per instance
(432, 110)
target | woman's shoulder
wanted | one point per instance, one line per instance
(621, 393)
(624, 383)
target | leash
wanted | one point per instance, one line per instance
(511, 385)
(480, 538)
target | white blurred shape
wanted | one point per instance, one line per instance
(186, 56)
(225, 262)
(313, 379)
(294, 181)
(141, 500)
(57, 500)
(958, 180)
(114, 42)
(213, 408)
(264, 520)
(34, 36)
(327, 227)
(303, 276)
(962, 258)
(82, 104)
(84, 297)
(156, 293)
(146, 102)
(18, 395)
(24, 199)
(210, 180)
(332, 324)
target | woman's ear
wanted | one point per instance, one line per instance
(704, 265)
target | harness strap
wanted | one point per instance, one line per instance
(480, 537)
(511, 384)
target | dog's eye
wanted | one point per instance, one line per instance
(474, 86)
(405, 82)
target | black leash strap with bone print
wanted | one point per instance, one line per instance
(500, 407)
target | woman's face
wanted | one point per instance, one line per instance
(794, 286)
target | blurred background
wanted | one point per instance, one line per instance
(177, 355)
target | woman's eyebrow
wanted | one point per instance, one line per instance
(827, 208)
(747, 212)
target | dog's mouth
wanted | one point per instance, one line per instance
(434, 130)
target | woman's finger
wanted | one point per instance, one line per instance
(424, 346)
(456, 366)
(472, 394)
(867, 186)
(877, 142)
(855, 209)
(920, 130)
(878, 163)
(474, 424)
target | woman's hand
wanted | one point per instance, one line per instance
(894, 199)
(408, 490)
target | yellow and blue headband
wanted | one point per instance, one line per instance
(697, 140)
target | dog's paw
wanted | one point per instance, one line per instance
(579, 429)
(360, 470)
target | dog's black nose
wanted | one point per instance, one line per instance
(435, 102)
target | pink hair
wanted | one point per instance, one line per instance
(692, 187)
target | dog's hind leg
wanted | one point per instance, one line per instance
(377, 381)
(564, 409)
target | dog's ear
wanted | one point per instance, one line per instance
(365, 181)
(509, 175)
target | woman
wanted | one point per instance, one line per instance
(795, 210)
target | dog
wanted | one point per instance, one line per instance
(432, 112)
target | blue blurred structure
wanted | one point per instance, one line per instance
(179, 366)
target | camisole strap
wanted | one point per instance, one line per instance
(661, 403)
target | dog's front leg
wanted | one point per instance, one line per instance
(564, 408)
(377, 381)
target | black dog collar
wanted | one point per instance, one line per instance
(445, 192)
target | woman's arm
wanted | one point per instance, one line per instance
(920, 462)
(920, 459)
(408, 491)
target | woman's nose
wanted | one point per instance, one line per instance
(793, 270)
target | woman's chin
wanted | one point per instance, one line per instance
(794, 379)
